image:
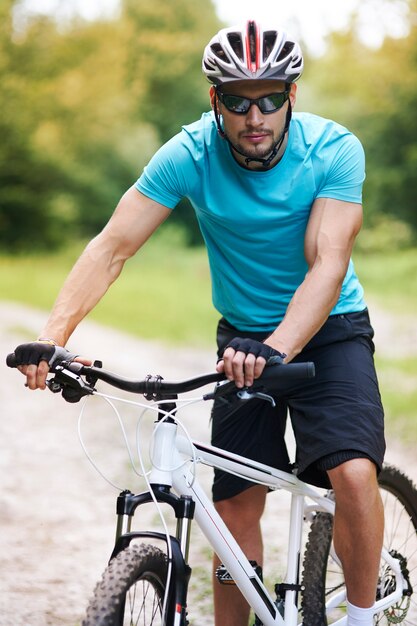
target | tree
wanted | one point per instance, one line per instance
(165, 48)
(390, 132)
(84, 106)
(374, 93)
(27, 179)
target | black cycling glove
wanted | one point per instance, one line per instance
(36, 351)
(257, 348)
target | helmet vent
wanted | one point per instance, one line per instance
(236, 44)
(285, 51)
(218, 51)
(270, 38)
(252, 41)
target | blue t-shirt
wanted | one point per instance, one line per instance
(254, 222)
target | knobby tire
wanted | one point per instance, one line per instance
(131, 590)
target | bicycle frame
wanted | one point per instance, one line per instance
(173, 460)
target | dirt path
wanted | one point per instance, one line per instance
(56, 514)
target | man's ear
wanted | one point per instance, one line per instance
(212, 96)
(293, 94)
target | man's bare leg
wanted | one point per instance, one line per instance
(242, 515)
(358, 534)
(358, 528)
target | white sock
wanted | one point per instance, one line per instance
(358, 616)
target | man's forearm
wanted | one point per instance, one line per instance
(88, 281)
(307, 312)
(136, 217)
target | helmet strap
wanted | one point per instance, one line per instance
(218, 121)
(275, 149)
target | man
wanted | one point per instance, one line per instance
(278, 198)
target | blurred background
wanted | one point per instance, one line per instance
(90, 88)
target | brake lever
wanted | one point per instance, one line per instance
(247, 394)
(225, 391)
(72, 386)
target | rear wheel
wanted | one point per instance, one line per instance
(131, 590)
(324, 595)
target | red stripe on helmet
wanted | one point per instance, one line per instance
(252, 33)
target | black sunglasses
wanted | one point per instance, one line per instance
(267, 104)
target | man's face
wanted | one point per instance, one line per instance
(254, 133)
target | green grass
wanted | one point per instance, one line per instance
(164, 292)
(390, 281)
(398, 383)
(35, 279)
(390, 278)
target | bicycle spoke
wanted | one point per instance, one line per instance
(144, 604)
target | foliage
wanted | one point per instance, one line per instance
(374, 93)
(164, 60)
(84, 106)
(27, 179)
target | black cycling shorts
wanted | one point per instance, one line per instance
(337, 413)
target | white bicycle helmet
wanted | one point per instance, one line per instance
(252, 52)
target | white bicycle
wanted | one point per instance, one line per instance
(147, 578)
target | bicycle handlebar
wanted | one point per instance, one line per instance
(68, 376)
(155, 385)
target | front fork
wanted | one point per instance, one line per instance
(183, 506)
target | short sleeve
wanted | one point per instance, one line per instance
(166, 178)
(346, 173)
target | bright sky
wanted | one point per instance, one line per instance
(312, 19)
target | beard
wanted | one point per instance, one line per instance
(260, 151)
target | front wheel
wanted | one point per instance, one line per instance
(324, 595)
(131, 590)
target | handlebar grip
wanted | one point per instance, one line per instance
(300, 370)
(11, 360)
(291, 371)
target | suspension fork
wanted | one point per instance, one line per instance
(177, 547)
(183, 507)
(165, 458)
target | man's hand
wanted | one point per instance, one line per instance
(244, 360)
(34, 359)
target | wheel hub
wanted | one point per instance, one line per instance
(396, 613)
